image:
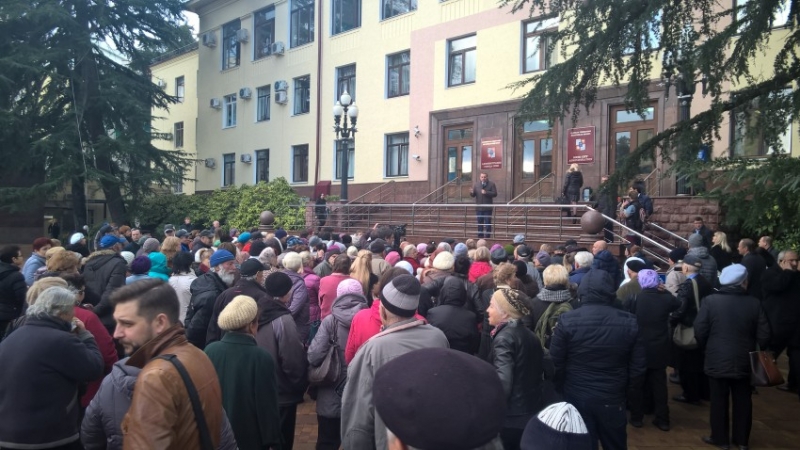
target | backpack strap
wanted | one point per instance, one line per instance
(202, 426)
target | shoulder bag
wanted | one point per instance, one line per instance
(764, 370)
(683, 336)
(202, 427)
(326, 373)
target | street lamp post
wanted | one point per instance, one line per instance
(342, 110)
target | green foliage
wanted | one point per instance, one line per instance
(238, 207)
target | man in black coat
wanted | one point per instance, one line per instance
(755, 265)
(484, 192)
(701, 229)
(250, 284)
(205, 290)
(607, 204)
(12, 286)
(596, 352)
(781, 286)
(729, 325)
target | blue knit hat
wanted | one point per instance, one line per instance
(243, 238)
(221, 256)
(110, 240)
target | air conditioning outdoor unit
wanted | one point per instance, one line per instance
(245, 93)
(246, 158)
(161, 83)
(281, 85)
(281, 97)
(277, 48)
(209, 39)
(211, 163)
(215, 103)
(241, 35)
(167, 136)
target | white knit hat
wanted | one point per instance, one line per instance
(444, 261)
(239, 313)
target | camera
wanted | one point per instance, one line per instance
(400, 230)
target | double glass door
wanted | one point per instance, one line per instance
(459, 153)
(628, 131)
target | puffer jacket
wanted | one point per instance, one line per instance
(596, 349)
(12, 292)
(205, 290)
(329, 403)
(365, 324)
(104, 272)
(687, 312)
(728, 326)
(605, 261)
(518, 358)
(32, 264)
(479, 269)
(298, 304)
(709, 269)
(277, 334)
(312, 281)
(456, 322)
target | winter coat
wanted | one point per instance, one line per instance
(729, 325)
(607, 202)
(478, 269)
(249, 390)
(456, 322)
(755, 265)
(365, 324)
(104, 343)
(605, 261)
(323, 269)
(205, 290)
(517, 356)
(560, 299)
(43, 363)
(298, 304)
(473, 303)
(327, 292)
(12, 292)
(723, 258)
(548, 296)
(572, 185)
(709, 268)
(652, 308)
(158, 266)
(687, 312)
(674, 279)
(32, 264)
(781, 304)
(379, 265)
(576, 276)
(134, 278)
(249, 288)
(596, 349)
(182, 284)
(312, 281)
(277, 334)
(103, 272)
(329, 402)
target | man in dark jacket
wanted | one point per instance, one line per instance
(484, 192)
(456, 321)
(607, 205)
(729, 325)
(606, 262)
(755, 265)
(12, 286)
(781, 285)
(250, 284)
(596, 352)
(205, 290)
(105, 271)
(702, 230)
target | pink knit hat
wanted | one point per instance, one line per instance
(392, 258)
(422, 248)
(349, 286)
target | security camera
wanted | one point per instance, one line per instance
(416, 131)
(416, 157)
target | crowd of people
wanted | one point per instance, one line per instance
(211, 338)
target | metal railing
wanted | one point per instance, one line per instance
(439, 195)
(380, 194)
(647, 242)
(534, 193)
(677, 240)
(652, 182)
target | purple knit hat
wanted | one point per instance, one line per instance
(349, 286)
(140, 265)
(648, 279)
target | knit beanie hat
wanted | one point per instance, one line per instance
(498, 256)
(495, 247)
(349, 286)
(278, 284)
(220, 256)
(405, 265)
(648, 279)
(239, 313)
(140, 265)
(543, 258)
(128, 257)
(422, 248)
(75, 238)
(150, 245)
(401, 296)
(256, 248)
(444, 261)
(509, 301)
(392, 258)
(677, 255)
(559, 426)
(243, 238)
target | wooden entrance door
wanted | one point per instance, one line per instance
(533, 158)
(628, 130)
(460, 156)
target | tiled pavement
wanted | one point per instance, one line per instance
(776, 424)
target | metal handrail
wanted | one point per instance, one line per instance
(379, 189)
(630, 230)
(664, 230)
(648, 180)
(537, 186)
(436, 191)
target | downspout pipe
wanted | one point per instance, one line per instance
(319, 93)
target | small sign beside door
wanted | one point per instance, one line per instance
(491, 153)
(580, 145)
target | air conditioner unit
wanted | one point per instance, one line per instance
(246, 158)
(241, 35)
(277, 48)
(167, 136)
(209, 39)
(281, 85)
(245, 93)
(281, 97)
(215, 103)
(211, 163)
(161, 83)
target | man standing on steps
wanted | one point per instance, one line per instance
(484, 192)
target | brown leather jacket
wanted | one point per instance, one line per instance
(160, 415)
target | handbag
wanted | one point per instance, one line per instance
(202, 427)
(326, 373)
(683, 336)
(764, 370)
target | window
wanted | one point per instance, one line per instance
(262, 166)
(302, 94)
(345, 15)
(230, 44)
(228, 169)
(229, 111)
(647, 36)
(346, 81)
(351, 156)
(393, 8)
(397, 155)
(302, 22)
(180, 88)
(399, 74)
(780, 17)
(628, 131)
(262, 104)
(300, 163)
(749, 139)
(537, 54)
(178, 134)
(263, 31)
(177, 188)
(461, 63)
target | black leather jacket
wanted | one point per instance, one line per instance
(517, 356)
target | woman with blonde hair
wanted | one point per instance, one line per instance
(170, 247)
(361, 270)
(721, 251)
(572, 188)
(64, 262)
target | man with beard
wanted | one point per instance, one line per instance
(205, 290)
(161, 414)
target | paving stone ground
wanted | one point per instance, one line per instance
(776, 424)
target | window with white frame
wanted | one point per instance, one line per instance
(780, 17)
(262, 103)
(397, 155)
(462, 54)
(346, 81)
(301, 22)
(180, 88)
(340, 145)
(536, 47)
(398, 74)
(302, 94)
(229, 111)
(749, 138)
(345, 15)
(262, 166)
(263, 31)
(231, 48)
(300, 163)
(391, 8)
(178, 134)
(228, 169)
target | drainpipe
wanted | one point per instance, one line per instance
(319, 90)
